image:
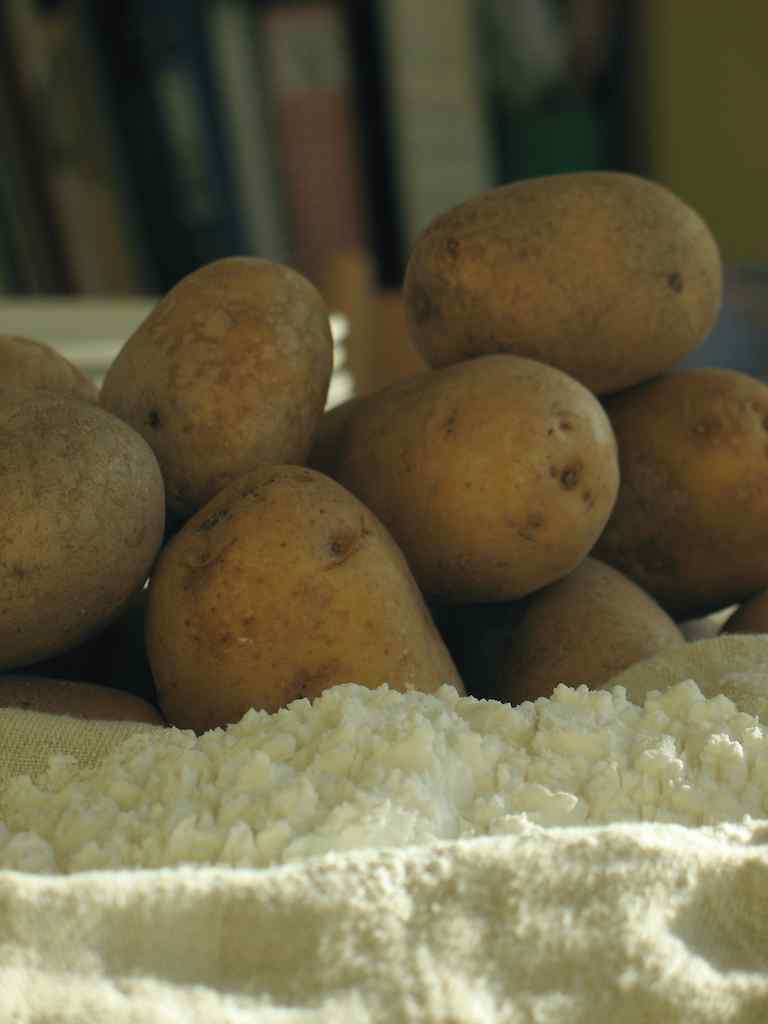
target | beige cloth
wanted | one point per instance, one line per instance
(632, 923)
(629, 925)
(28, 739)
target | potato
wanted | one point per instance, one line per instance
(691, 521)
(280, 587)
(31, 364)
(495, 476)
(82, 514)
(330, 436)
(608, 276)
(583, 629)
(76, 699)
(229, 371)
(749, 617)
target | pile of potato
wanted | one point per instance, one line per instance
(546, 504)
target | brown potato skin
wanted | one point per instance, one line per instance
(283, 585)
(608, 276)
(330, 437)
(76, 699)
(583, 629)
(691, 522)
(80, 525)
(27, 363)
(750, 617)
(230, 370)
(495, 476)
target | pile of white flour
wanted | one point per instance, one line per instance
(377, 768)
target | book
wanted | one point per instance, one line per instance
(553, 85)
(163, 98)
(441, 146)
(54, 64)
(8, 275)
(310, 75)
(372, 101)
(238, 61)
(31, 258)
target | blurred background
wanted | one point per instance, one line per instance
(140, 139)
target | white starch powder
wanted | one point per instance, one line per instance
(361, 768)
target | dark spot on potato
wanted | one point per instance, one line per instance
(570, 476)
(211, 521)
(452, 247)
(675, 281)
(309, 684)
(588, 498)
(257, 493)
(708, 427)
(449, 426)
(137, 538)
(342, 544)
(339, 547)
(153, 419)
(534, 521)
(422, 306)
(565, 425)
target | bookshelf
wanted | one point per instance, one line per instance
(320, 133)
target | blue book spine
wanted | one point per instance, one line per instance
(165, 100)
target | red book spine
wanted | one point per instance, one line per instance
(316, 122)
